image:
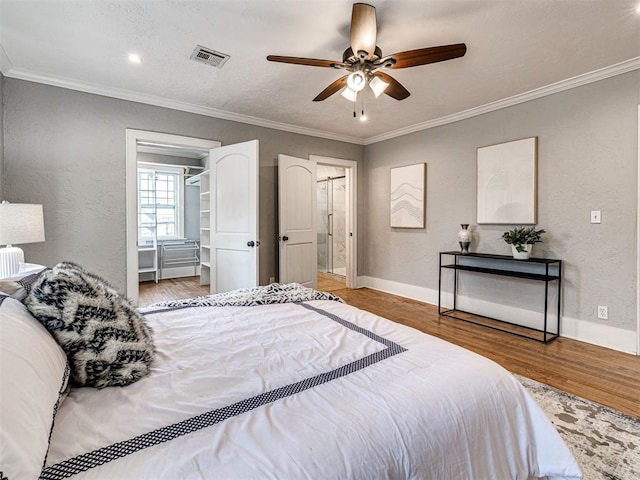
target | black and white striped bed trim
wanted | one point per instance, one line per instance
(64, 387)
(353, 326)
(112, 452)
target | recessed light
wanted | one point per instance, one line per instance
(133, 58)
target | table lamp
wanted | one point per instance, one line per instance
(19, 223)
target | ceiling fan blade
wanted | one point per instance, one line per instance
(312, 62)
(331, 89)
(363, 29)
(395, 88)
(423, 56)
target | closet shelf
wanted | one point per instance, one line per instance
(205, 230)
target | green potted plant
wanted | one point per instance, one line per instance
(522, 239)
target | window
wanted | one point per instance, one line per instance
(160, 204)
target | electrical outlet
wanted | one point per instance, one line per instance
(272, 279)
(603, 312)
(595, 216)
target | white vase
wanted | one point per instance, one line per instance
(464, 238)
(522, 255)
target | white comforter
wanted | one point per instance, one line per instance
(286, 392)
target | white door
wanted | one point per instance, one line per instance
(297, 211)
(234, 216)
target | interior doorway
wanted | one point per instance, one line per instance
(331, 220)
(337, 219)
(159, 144)
(168, 197)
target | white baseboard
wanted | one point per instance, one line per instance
(582, 330)
(598, 334)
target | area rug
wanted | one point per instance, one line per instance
(605, 443)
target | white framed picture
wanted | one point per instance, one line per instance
(408, 189)
(507, 183)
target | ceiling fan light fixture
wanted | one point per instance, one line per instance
(363, 60)
(349, 94)
(356, 81)
(378, 86)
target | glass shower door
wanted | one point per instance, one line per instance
(338, 225)
(323, 226)
(332, 224)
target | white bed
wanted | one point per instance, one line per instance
(310, 390)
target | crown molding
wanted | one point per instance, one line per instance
(561, 86)
(121, 94)
(22, 74)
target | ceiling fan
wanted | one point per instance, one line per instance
(364, 60)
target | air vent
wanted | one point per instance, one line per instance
(208, 56)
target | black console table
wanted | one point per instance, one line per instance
(539, 269)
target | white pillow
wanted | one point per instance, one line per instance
(27, 268)
(34, 375)
(19, 285)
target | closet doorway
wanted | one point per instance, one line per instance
(168, 211)
(332, 226)
(151, 160)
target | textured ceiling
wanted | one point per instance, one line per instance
(513, 47)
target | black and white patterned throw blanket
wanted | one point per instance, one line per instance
(248, 297)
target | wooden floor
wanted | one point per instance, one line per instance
(599, 374)
(170, 289)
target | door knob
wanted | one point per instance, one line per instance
(250, 243)
(285, 238)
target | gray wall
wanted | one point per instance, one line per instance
(66, 150)
(587, 160)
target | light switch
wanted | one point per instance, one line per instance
(595, 216)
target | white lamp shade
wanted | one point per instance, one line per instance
(349, 94)
(21, 223)
(378, 86)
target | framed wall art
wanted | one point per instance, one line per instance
(408, 188)
(507, 188)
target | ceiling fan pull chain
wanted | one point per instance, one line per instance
(355, 98)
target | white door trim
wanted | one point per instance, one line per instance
(638, 248)
(351, 172)
(133, 136)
